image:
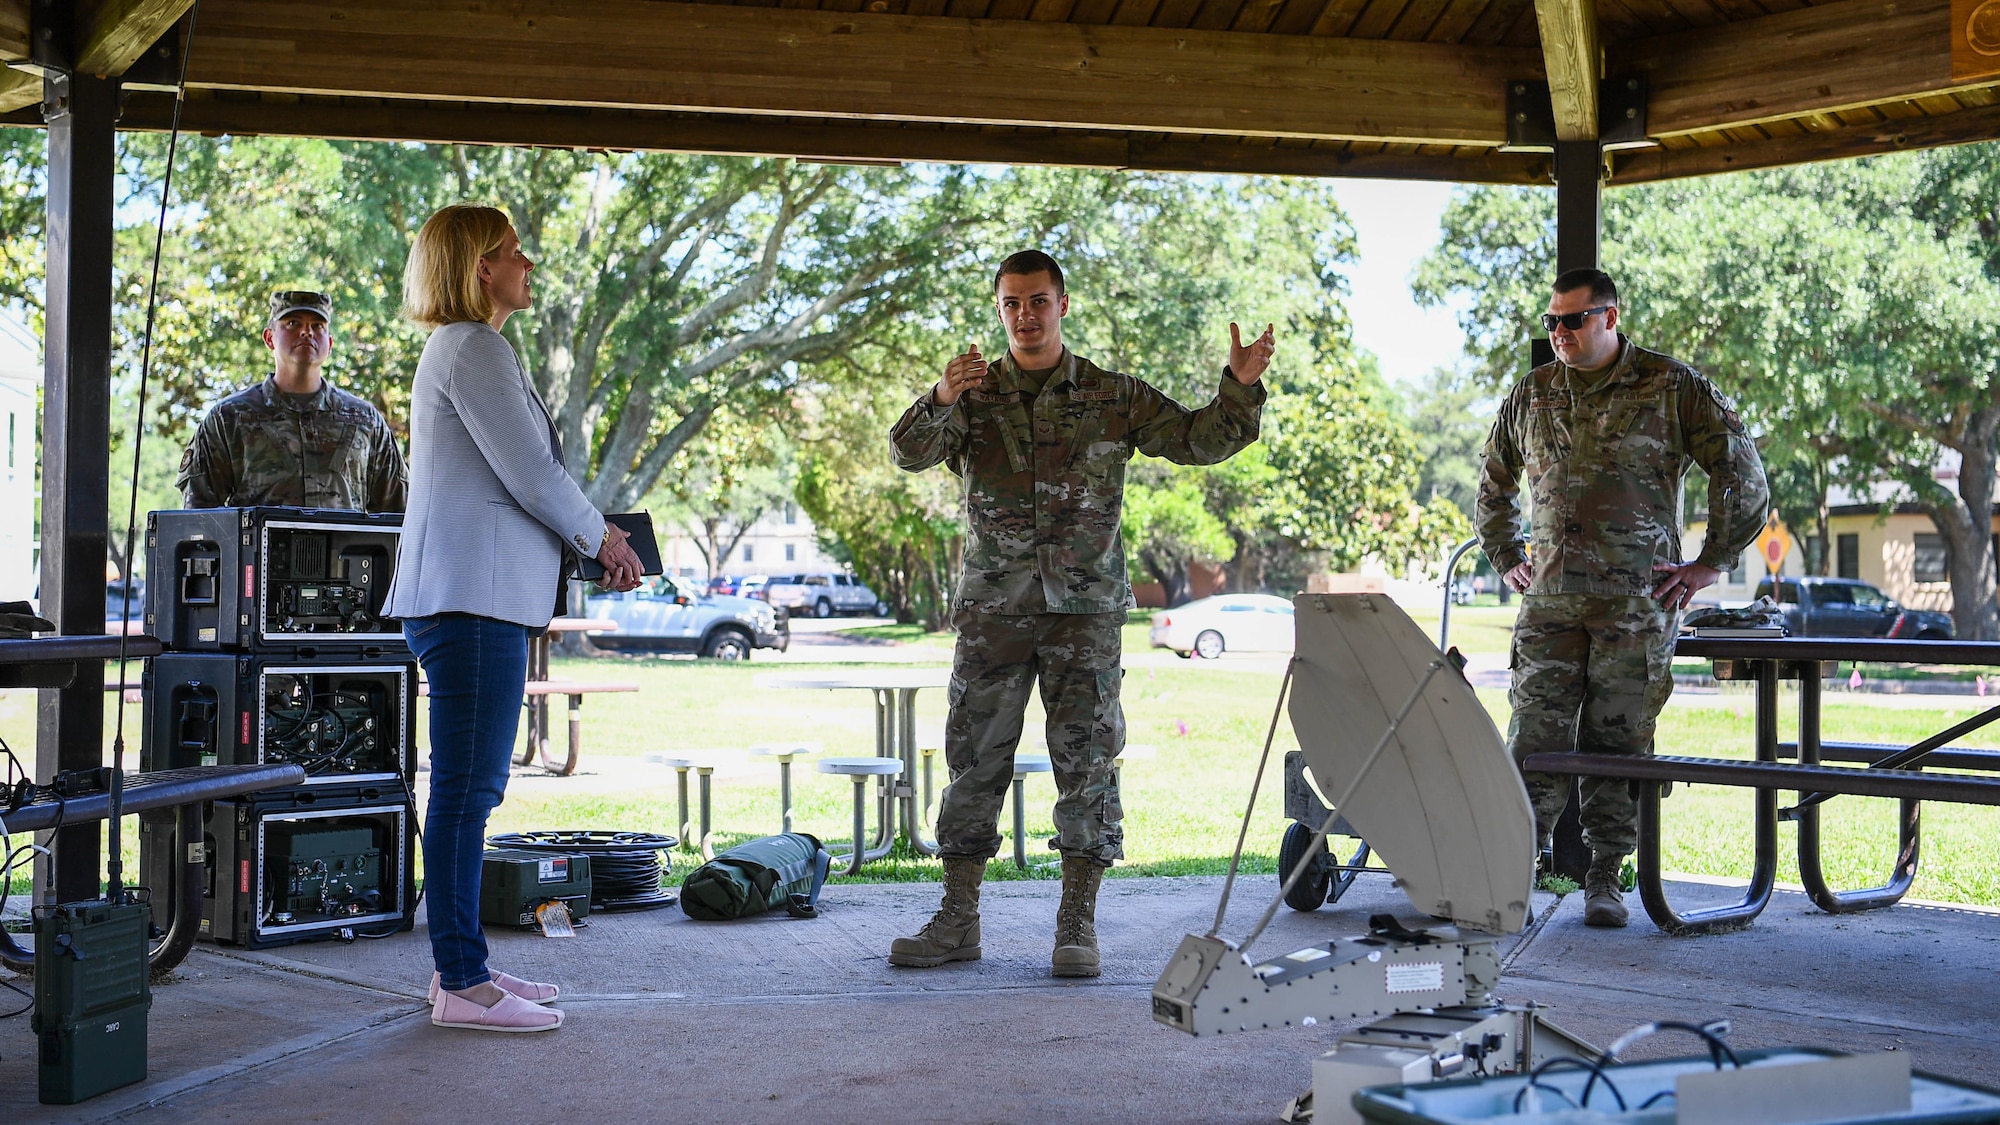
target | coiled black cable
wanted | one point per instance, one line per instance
(627, 869)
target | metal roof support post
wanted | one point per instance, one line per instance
(1579, 195)
(81, 112)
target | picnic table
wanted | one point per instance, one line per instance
(1889, 771)
(895, 691)
(540, 686)
(84, 796)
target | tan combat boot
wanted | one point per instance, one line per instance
(952, 934)
(1076, 918)
(1603, 896)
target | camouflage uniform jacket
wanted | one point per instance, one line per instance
(258, 446)
(1045, 478)
(1604, 469)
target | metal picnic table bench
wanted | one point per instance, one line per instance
(82, 797)
(1889, 771)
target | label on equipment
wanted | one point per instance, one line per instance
(555, 870)
(249, 581)
(1419, 976)
(555, 920)
(205, 635)
(1307, 955)
(243, 877)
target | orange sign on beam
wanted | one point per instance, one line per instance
(1975, 38)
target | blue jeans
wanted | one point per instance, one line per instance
(476, 667)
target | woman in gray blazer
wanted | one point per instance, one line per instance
(492, 515)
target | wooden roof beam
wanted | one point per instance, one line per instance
(1967, 126)
(17, 89)
(643, 54)
(13, 30)
(810, 140)
(1574, 64)
(121, 30)
(1822, 59)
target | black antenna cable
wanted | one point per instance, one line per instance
(116, 868)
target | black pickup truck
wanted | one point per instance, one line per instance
(1843, 607)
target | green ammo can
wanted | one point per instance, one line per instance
(513, 884)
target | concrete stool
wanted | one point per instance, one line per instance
(705, 768)
(785, 752)
(861, 769)
(1024, 764)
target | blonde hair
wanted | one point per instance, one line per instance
(441, 280)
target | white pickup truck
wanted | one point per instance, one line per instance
(823, 595)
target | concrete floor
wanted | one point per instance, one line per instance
(771, 1019)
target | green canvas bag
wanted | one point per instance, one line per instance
(761, 875)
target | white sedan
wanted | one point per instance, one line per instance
(1225, 623)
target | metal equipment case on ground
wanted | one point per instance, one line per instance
(512, 884)
(304, 580)
(311, 863)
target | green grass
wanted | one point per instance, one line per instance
(1183, 800)
(899, 633)
(1475, 629)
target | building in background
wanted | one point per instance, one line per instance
(20, 410)
(1902, 555)
(782, 541)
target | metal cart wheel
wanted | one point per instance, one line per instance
(1327, 880)
(1311, 890)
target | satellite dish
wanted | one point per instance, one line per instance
(1443, 805)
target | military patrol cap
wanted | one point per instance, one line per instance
(287, 301)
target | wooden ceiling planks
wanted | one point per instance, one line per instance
(1759, 81)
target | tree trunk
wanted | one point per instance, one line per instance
(1822, 519)
(1967, 528)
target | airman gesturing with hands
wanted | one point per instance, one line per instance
(1247, 364)
(962, 374)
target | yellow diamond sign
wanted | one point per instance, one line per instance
(1774, 543)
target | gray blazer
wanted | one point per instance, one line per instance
(491, 505)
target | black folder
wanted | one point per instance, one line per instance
(639, 525)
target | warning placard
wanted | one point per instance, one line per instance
(1773, 544)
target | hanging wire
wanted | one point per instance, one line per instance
(117, 860)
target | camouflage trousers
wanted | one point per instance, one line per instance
(1591, 673)
(1075, 657)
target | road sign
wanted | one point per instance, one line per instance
(1774, 543)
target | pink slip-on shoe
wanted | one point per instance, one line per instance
(511, 1014)
(531, 991)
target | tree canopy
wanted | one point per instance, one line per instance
(712, 331)
(1850, 309)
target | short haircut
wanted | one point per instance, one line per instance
(1603, 290)
(441, 280)
(1024, 263)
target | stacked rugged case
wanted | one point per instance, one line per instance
(276, 653)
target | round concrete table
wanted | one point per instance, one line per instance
(895, 691)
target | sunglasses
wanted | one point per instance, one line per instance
(1571, 321)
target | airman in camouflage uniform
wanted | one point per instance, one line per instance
(1604, 437)
(1041, 439)
(295, 439)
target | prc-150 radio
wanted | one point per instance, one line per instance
(260, 579)
(341, 721)
(308, 865)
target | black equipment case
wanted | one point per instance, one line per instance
(300, 580)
